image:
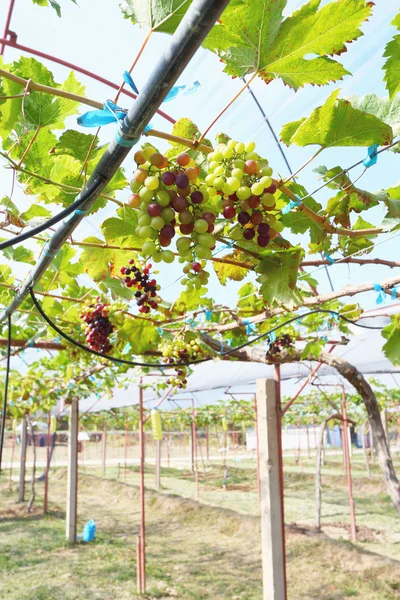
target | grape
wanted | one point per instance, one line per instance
(196, 266)
(139, 158)
(268, 200)
(243, 193)
(168, 178)
(180, 204)
(186, 228)
(182, 181)
(238, 163)
(267, 171)
(135, 186)
(168, 231)
(250, 167)
(145, 231)
(227, 190)
(200, 226)
(278, 226)
(217, 156)
(256, 218)
(236, 233)
(172, 194)
(238, 173)
(191, 174)
(245, 205)
(183, 244)
(270, 219)
(140, 175)
(219, 183)
(154, 210)
(263, 229)
(257, 188)
(211, 228)
(168, 214)
(252, 156)
(148, 151)
(183, 159)
(196, 197)
(185, 191)
(163, 198)
(249, 147)
(234, 183)
(157, 159)
(266, 181)
(151, 182)
(209, 217)
(239, 148)
(210, 179)
(156, 257)
(243, 217)
(185, 217)
(202, 251)
(149, 248)
(271, 189)
(164, 241)
(157, 223)
(263, 241)
(227, 153)
(248, 234)
(233, 197)
(168, 256)
(134, 200)
(144, 220)
(272, 233)
(254, 201)
(207, 240)
(232, 144)
(145, 194)
(99, 327)
(229, 212)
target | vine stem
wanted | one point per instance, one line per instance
(133, 65)
(236, 96)
(29, 146)
(293, 175)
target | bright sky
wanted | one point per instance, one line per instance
(95, 36)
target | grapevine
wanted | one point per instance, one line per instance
(283, 342)
(99, 327)
(178, 350)
(139, 277)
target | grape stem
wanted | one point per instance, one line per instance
(235, 97)
(133, 65)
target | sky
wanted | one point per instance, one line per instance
(95, 36)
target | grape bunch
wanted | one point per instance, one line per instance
(169, 196)
(284, 342)
(98, 326)
(147, 287)
(182, 352)
(195, 275)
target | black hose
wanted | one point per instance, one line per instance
(194, 362)
(53, 220)
(3, 417)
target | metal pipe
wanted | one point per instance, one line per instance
(69, 65)
(348, 469)
(142, 498)
(189, 35)
(7, 25)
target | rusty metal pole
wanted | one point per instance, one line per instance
(277, 377)
(142, 493)
(7, 25)
(348, 469)
(138, 565)
(46, 478)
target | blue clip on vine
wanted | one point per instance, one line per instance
(393, 295)
(372, 157)
(292, 204)
(381, 298)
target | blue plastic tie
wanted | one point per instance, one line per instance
(272, 337)
(393, 295)
(125, 142)
(126, 349)
(160, 330)
(129, 81)
(292, 204)
(329, 258)
(182, 90)
(380, 299)
(49, 254)
(325, 338)
(249, 326)
(208, 314)
(100, 117)
(372, 157)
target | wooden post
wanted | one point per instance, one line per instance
(142, 493)
(12, 459)
(104, 447)
(72, 474)
(126, 447)
(158, 464)
(398, 432)
(348, 469)
(46, 479)
(191, 450)
(349, 441)
(22, 463)
(272, 543)
(194, 444)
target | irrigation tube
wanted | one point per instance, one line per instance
(194, 27)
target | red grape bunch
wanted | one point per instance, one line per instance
(284, 342)
(180, 351)
(195, 275)
(147, 287)
(98, 326)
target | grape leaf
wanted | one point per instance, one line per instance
(278, 277)
(226, 271)
(337, 123)
(121, 230)
(251, 37)
(100, 263)
(19, 254)
(393, 202)
(157, 15)
(289, 129)
(140, 334)
(392, 65)
(385, 109)
(76, 144)
(34, 211)
(313, 348)
(52, 3)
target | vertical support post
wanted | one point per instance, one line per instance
(158, 464)
(272, 543)
(104, 447)
(12, 459)
(194, 444)
(398, 432)
(72, 474)
(349, 444)
(257, 450)
(22, 463)
(348, 469)
(208, 441)
(142, 497)
(46, 477)
(191, 449)
(308, 442)
(371, 444)
(138, 565)
(126, 447)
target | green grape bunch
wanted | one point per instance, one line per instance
(180, 351)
